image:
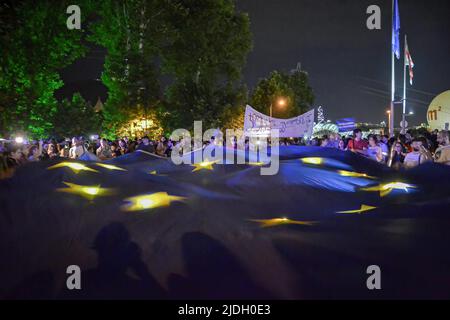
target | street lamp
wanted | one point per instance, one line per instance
(281, 102)
(389, 119)
(19, 140)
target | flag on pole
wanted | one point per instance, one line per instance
(409, 62)
(396, 30)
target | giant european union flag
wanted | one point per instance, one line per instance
(142, 227)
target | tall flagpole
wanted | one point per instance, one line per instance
(391, 122)
(404, 90)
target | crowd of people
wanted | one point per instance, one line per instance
(13, 154)
(403, 151)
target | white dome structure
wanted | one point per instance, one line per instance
(438, 115)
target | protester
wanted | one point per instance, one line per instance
(146, 145)
(407, 151)
(123, 148)
(115, 151)
(383, 142)
(104, 151)
(324, 142)
(442, 154)
(357, 144)
(52, 151)
(161, 147)
(398, 156)
(77, 148)
(418, 156)
(35, 153)
(374, 151)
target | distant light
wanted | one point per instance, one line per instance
(411, 113)
(281, 102)
(19, 140)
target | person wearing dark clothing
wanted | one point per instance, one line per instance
(146, 145)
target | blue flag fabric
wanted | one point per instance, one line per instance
(317, 214)
(396, 31)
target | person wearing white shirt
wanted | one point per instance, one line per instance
(77, 149)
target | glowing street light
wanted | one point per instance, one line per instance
(388, 112)
(281, 102)
(19, 140)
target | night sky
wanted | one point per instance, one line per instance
(348, 65)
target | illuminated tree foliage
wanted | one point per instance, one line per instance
(178, 60)
(131, 32)
(197, 48)
(292, 87)
(207, 47)
(35, 44)
(74, 118)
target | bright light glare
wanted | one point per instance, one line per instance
(91, 190)
(19, 139)
(145, 203)
(281, 102)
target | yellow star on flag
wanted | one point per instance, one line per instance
(76, 167)
(88, 192)
(354, 174)
(258, 164)
(266, 223)
(110, 167)
(154, 173)
(150, 201)
(205, 165)
(387, 188)
(364, 208)
(315, 161)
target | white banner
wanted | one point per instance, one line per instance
(258, 124)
